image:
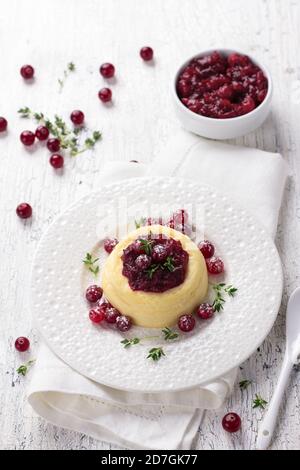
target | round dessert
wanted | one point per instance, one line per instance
(155, 275)
(222, 87)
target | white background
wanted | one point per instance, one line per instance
(48, 35)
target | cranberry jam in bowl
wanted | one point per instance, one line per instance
(222, 94)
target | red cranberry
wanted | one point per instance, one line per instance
(206, 248)
(143, 262)
(77, 117)
(103, 304)
(27, 71)
(138, 247)
(53, 144)
(93, 293)
(111, 315)
(205, 311)
(215, 265)
(186, 323)
(146, 53)
(107, 70)
(231, 422)
(237, 59)
(159, 253)
(184, 88)
(27, 138)
(42, 133)
(96, 315)
(110, 244)
(3, 124)
(123, 323)
(22, 344)
(24, 210)
(57, 161)
(105, 95)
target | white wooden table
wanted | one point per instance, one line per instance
(89, 32)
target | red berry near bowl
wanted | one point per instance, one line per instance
(105, 95)
(96, 315)
(205, 311)
(206, 248)
(57, 161)
(53, 144)
(27, 138)
(110, 244)
(24, 210)
(42, 133)
(231, 422)
(22, 344)
(186, 323)
(93, 293)
(3, 124)
(111, 315)
(27, 71)
(107, 70)
(215, 265)
(77, 117)
(146, 53)
(123, 323)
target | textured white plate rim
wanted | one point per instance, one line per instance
(243, 357)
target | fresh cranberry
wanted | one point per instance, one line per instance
(27, 71)
(24, 210)
(143, 261)
(42, 133)
(123, 323)
(159, 253)
(186, 323)
(53, 144)
(77, 117)
(93, 293)
(107, 70)
(57, 161)
(206, 248)
(146, 53)
(215, 265)
(27, 138)
(111, 315)
(3, 124)
(22, 344)
(205, 311)
(96, 315)
(110, 244)
(105, 95)
(231, 422)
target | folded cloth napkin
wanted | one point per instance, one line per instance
(166, 420)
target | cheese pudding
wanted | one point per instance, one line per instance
(155, 275)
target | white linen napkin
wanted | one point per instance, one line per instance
(166, 420)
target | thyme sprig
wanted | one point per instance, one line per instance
(220, 290)
(70, 68)
(259, 402)
(155, 354)
(24, 368)
(90, 264)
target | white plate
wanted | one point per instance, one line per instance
(59, 279)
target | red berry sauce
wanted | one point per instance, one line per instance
(222, 87)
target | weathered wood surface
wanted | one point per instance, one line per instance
(89, 32)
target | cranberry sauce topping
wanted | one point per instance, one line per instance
(222, 87)
(155, 265)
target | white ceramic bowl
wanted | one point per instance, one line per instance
(222, 128)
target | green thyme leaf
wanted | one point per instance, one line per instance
(169, 334)
(150, 271)
(259, 402)
(169, 264)
(24, 368)
(130, 342)
(155, 354)
(243, 384)
(70, 68)
(140, 223)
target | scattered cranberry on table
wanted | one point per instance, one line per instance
(111, 314)
(215, 265)
(96, 315)
(146, 53)
(77, 117)
(53, 144)
(42, 133)
(105, 95)
(22, 344)
(93, 293)
(3, 124)
(186, 323)
(27, 138)
(123, 323)
(27, 71)
(107, 70)
(205, 311)
(110, 244)
(207, 248)
(57, 161)
(231, 422)
(24, 210)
